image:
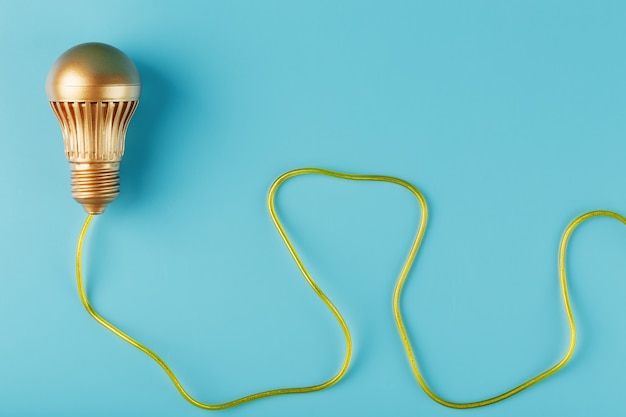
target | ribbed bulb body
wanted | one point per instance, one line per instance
(93, 89)
(94, 135)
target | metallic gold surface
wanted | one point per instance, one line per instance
(93, 90)
(94, 185)
(93, 72)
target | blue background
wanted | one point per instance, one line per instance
(510, 116)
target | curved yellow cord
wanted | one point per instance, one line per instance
(568, 310)
(166, 368)
(395, 303)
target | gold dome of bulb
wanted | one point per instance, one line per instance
(94, 90)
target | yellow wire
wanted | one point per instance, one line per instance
(568, 310)
(166, 368)
(397, 294)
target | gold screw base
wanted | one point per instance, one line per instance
(95, 185)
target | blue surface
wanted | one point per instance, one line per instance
(510, 116)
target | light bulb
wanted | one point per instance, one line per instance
(94, 90)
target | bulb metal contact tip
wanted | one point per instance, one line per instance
(95, 185)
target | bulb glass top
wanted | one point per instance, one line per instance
(93, 72)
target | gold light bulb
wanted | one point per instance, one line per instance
(94, 90)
